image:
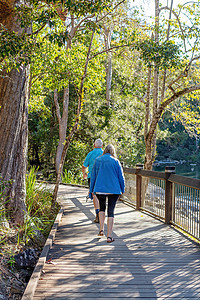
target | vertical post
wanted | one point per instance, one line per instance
(168, 194)
(138, 186)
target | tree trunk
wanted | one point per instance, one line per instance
(13, 136)
(165, 71)
(74, 128)
(107, 40)
(147, 104)
(62, 124)
(63, 120)
(150, 143)
(14, 93)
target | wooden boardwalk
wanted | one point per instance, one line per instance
(148, 260)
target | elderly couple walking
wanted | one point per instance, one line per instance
(106, 180)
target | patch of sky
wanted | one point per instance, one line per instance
(147, 7)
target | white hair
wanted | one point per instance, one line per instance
(98, 143)
(110, 149)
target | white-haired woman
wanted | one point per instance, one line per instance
(107, 180)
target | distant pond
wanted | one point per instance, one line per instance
(186, 169)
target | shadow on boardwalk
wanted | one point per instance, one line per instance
(148, 260)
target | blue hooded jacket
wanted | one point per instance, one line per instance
(107, 176)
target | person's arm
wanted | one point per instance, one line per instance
(85, 166)
(121, 177)
(84, 172)
(93, 177)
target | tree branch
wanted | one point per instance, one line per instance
(183, 74)
(110, 12)
(175, 14)
(74, 128)
(110, 49)
(163, 105)
(37, 31)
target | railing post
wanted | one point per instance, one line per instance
(138, 186)
(168, 194)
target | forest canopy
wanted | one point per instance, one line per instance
(116, 113)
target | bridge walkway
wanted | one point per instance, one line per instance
(148, 260)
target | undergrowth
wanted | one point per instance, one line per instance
(73, 178)
(38, 221)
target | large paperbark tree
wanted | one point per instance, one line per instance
(14, 91)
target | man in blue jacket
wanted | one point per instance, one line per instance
(88, 163)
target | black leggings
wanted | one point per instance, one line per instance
(112, 199)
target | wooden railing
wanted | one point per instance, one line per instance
(173, 198)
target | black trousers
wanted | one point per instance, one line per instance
(112, 199)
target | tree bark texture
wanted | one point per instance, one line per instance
(13, 136)
(147, 103)
(107, 40)
(14, 94)
(62, 124)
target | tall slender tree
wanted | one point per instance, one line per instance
(170, 71)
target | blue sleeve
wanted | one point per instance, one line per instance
(121, 177)
(93, 178)
(94, 175)
(86, 161)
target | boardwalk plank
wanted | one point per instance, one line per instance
(123, 295)
(148, 260)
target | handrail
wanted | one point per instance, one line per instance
(186, 181)
(145, 173)
(174, 198)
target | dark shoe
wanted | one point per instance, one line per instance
(110, 239)
(96, 220)
(101, 233)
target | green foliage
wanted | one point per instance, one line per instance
(122, 123)
(38, 203)
(174, 142)
(31, 189)
(107, 113)
(69, 177)
(11, 261)
(17, 49)
(42, 128)
(187, 111)
(76, 154)
(166, 55)
(3, 186)
(78, 7)
(81, 7)
(39, 216)
(53, 66)
(14, 49)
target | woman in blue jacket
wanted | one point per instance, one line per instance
(107, 180)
